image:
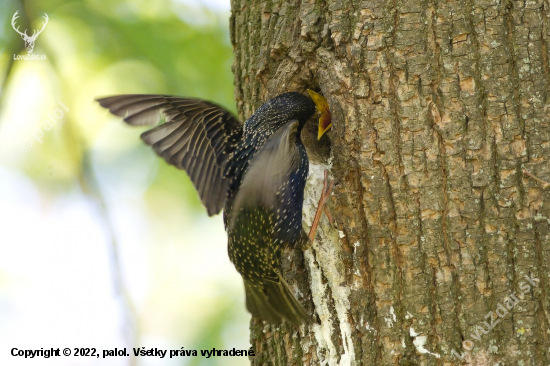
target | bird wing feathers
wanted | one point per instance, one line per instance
(269, 170)
(197, 136)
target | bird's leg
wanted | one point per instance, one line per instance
(329, 217)
(544, 183)
(327, 188)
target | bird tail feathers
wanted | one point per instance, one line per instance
(272, 301)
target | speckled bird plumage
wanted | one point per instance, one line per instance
(256, 172)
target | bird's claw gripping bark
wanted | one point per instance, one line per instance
(544, 183)
(330, 219)
(327, 189)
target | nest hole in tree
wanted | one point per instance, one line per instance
(317, 150)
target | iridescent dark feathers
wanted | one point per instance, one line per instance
(257, 173)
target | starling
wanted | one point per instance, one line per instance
(256, 172)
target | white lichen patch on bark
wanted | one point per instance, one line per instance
(323, 259)
(419, 341)
(391, 319)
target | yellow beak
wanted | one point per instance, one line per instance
(325, 118)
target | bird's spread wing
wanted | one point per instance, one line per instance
(197, 136)
(269, 171)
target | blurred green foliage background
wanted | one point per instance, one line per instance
(102, 243)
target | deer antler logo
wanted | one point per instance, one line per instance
(29, 41)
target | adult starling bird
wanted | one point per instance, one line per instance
(256, 172)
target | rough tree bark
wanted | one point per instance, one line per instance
(437, 107)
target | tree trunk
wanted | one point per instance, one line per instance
(442, 249)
